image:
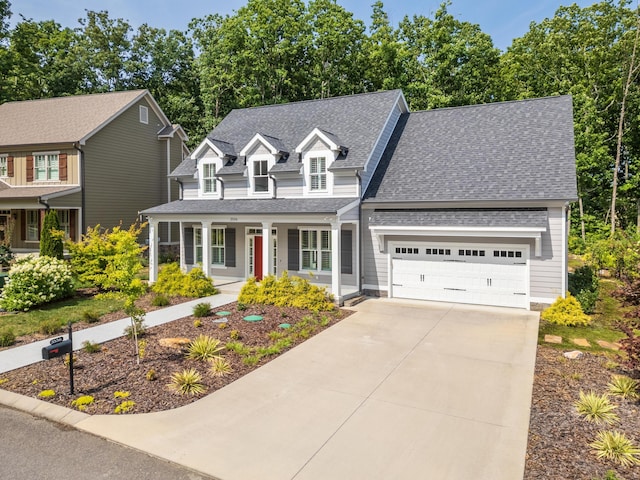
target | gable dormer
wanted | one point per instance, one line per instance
(318, 151)
(261, 154)
(210, 156)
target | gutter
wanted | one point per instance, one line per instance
(181, 185)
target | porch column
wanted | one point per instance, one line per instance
(336, 281)
(153, 251)
(357, 258)
(206, 248)
(183, 264)
(267, 249)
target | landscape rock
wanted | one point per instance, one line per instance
(573, 355)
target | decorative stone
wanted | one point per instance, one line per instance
(223, 313)
(221, 320)
(552, 339)
(581, 342)
(176, 343)
(574, 355)
(285, 325)
(609, 345)
(253, 318)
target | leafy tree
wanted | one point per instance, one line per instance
(51, 237)
(5, 60)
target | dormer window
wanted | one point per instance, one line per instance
(260, 176)
(318, 173)
(209, 178)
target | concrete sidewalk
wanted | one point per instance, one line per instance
(400, 390)
(21, 356)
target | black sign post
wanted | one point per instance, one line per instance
(71, 360)
(58, 347)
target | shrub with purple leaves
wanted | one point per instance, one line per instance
(35, 281)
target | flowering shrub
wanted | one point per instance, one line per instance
(34, 281)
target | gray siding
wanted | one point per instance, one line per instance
(380, 147)
(289, 187)
(236, 188)
(546, 271)
(345, 186)
(190, 190)
(125, 169)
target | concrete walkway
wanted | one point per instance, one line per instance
(400, 390)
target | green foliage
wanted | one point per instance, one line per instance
(197, 323)
(151, 375)
(251, 360)
(171, 281)
(204, 348)
(619, 253)
(6, 256)
(121, 394)
(583, 284)
(234, 335)
(90, 316)
(624, 387)
(596, 408)
(615, 446)
(566, 311)
(51, 237)
(47, 394)
(610, 475)
(237, 347)
(7, 337)
(286, 292)
(125, 407)
(187, 382)
(50, 327)
(201, 310)
(160, 300)
(137, 327)
(91, 347)
(220, 367)
(81, 403)
(109, 259)
(35, 281)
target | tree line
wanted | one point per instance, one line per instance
(276, 51)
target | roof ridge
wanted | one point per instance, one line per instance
(83, 95)
(504, 102)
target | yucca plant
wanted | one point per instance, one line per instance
(596, 408)
(204, 348)
(615, 446)
(220, 367)
(187, 382)
(624, 387)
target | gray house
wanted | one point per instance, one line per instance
(461, 204)
(95, 159)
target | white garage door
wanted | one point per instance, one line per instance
(462, 273)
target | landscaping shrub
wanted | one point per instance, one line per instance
(125, 407)
(160, 300)
(286, 292)
(615, 446)
(583, 284)
(6, 256)
(566, 311)
(624, 387)
(596, 408)
(34, 281)
(7, 337)
(51, 237)
(90, 317)
(187, 382)
(619, 253)
(204, 348)
(201, 310)
(172, 281)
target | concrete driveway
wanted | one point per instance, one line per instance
(400, 390)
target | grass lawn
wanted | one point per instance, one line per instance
(70, 310)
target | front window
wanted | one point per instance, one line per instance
(315, 248)
(217, 246)
(208, 177)
(33, 223)
(46, 166)
(65, 222)
(3, 165)
(197, 244)
(260, 176)
(318, 173)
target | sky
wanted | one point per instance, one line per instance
(503, 20)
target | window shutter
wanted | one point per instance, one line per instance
(29, 168)
(41, 223)
(72, 224)
(9, 166)
(293, 246)
(188, 246)
(62, 166)
(346, 239)
(23, 225)
(230, 247)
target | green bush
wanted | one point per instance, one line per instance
(34, 281)
(171, 281)
(51, 237)
(188, 381)
(615, 446)
(201, 310)
(566, 311)
(596, 408)
(6, 256)
(204, 348)
(620, 254)
(50, 327)
(160, 300)
(90, 317)
(583, 284)
(7, 337)
(286, 292)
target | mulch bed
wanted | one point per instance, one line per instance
(559, 438)
(114, 368)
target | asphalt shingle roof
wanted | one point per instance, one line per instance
(509, 151)
(61, 119)
(461, 218)
(253, 206)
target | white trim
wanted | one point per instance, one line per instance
(329, 157)
(369, 286)
(565, 270)
(207, 143)
(257, 138)
(316, 132)
(543, 300)
(143, 114)
(270, 163)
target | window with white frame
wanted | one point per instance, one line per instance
(209, 178)
(260, 176)
(3, 166)
(33, 222)
(144, 114)
(217, 246)
(318, 173)
(65, 222)
(46, 166)
(315, 250)
(197, 245)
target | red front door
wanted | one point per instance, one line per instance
(257, 257)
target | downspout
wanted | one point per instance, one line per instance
(181, 191)
(47, 207)
(360, 226)
(221, 188)
(275, 186)
(82, 190)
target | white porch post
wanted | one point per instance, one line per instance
(357, 258)
(183, 263)
(335, 263)
(206, 248)
(153, 251)
(267, 249)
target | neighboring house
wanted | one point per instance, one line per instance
(95, 159)
(463, 204)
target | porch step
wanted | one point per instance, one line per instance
(354, 301)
